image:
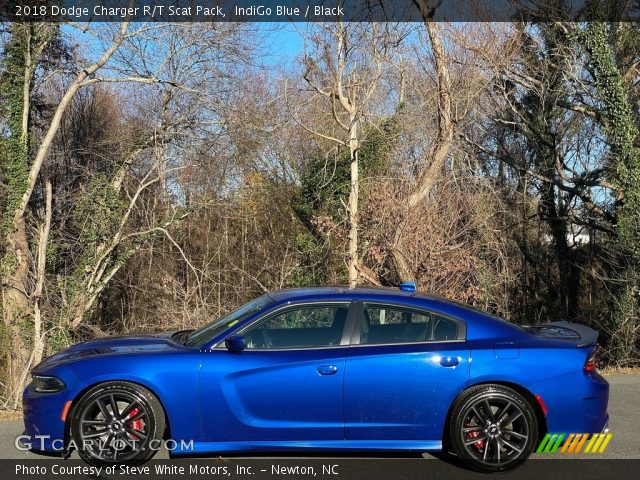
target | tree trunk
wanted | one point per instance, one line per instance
(622, 132)
(33, 356)
(38, 334)
(17, 293)
(17, 306)
(353, 205)
(439, 149)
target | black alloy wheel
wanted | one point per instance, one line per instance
(493, 428)
(117, 423)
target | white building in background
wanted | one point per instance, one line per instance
(578, 236)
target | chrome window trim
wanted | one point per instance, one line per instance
(429, 342)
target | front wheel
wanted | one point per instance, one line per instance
(492, 428)
(117, 423)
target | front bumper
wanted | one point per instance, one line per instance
(44, 429)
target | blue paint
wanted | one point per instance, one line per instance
(345, 395)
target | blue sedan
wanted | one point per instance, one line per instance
(324, 369)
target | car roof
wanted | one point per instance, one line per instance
(381, 293)
(305, 292)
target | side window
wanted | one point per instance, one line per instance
(444, 329)
(390, 324)
(309, 326)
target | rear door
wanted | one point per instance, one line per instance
(287, 385)
(403, 370)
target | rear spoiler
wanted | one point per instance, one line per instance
(577, 333)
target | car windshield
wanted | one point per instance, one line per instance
(199, 337)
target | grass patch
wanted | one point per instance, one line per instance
(10, 414)
(620, 371)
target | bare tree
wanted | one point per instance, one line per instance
(178, 67)
(17, 298)
(441, 145)
(346, 70)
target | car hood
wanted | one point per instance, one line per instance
(130, 344)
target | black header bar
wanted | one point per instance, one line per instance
(317, 10)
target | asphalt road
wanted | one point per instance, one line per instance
(624, 424)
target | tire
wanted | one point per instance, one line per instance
(103, 438)
(481, 413)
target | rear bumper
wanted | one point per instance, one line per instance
(577, 403)
(605, 429)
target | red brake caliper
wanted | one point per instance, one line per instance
(138, 424)
(480, 443)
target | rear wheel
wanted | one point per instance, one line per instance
(492, 428)
(117, 423)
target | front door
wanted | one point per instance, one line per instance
(286, 385)
(403, 373)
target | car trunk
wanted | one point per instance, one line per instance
(576, 333)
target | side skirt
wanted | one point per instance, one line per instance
(302, 446)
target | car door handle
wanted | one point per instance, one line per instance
(449, 361)
(327, 369)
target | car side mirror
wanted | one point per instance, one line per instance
(235, 343)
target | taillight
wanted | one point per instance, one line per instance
(590, 364)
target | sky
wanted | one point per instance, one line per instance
(281, 47)
(286, 42)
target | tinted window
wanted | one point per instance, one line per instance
(390, 324)
(444, 329)
(208, 332)
(308, 326)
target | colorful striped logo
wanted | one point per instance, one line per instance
(574, 443)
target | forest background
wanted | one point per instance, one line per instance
(156, 176)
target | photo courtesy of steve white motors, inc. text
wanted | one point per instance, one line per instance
(60, 469)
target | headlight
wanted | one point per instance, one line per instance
(47, 384)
